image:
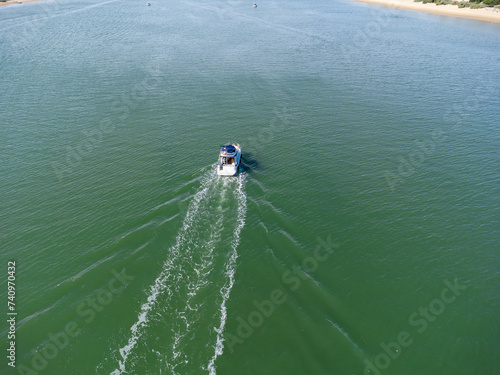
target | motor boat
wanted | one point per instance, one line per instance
(229, 160)
(255, 5)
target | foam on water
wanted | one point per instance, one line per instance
(346, 335)
(190, 262)
(230, 270)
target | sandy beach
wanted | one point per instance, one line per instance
(484, 14)
(10, 2)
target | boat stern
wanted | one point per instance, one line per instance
(229, 160)
(226, 170)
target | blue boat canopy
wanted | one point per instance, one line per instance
(230, 149)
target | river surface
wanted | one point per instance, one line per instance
(361, 236)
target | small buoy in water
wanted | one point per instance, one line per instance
(255, 5)
(149, 4)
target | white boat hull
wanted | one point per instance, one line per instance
(229, 169)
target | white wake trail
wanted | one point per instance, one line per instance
(160, 284)
(194, 252)
(230, 271)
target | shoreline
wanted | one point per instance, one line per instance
(10, 2)
(483, 14)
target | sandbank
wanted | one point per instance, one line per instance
(483, 14)
(9, 2)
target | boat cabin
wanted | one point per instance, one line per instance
(227, 154)
(229, 160)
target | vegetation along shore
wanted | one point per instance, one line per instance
(487, 10)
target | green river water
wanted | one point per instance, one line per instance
(361, 236)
